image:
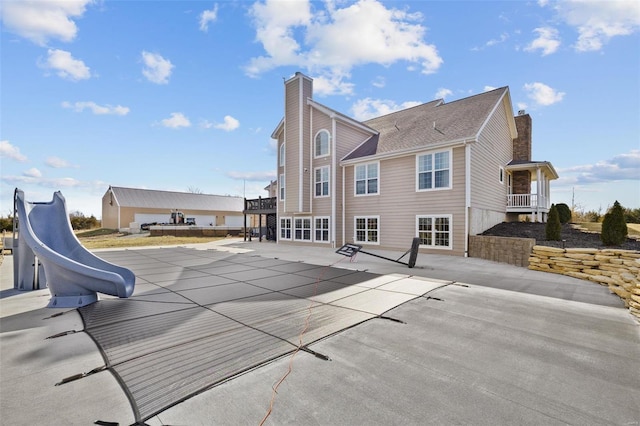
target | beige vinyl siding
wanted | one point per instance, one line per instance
(492, 150)
(281, 170)
(321, 121)
(398, 203)
(291, 133)
(349, 138)
(307, 177)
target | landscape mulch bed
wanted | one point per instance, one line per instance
(573, 237)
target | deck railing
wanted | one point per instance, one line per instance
(261, 204)
(526, 201)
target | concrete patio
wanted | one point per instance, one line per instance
(452, 341)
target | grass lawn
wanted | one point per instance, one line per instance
(633, 228)
(106, 238)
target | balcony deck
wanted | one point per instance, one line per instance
(261, 205)
(527, 203)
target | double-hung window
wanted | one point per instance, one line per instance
(321, 229)
(322, 181)
(285, 228)
(434, 231)
(366, 179)
(321, 143)
(302, 229)
(434, 171)
(367, 229)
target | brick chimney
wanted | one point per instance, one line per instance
(522, 144)
(521, 183)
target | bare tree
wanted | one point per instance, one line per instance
(195, 190)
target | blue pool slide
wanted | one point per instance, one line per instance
(73, 274)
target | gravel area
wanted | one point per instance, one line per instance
(574, 237)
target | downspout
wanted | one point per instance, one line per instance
(311, 154)
(467, 196)
(334, 164)
(343, 204)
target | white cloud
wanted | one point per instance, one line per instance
(56, 183)
(156, 68)
(96, 109)
(32, 172)
(10, 151)
(57, 163)
(176, 121)
(208, 16)
(489, 88)
(333, 84)
(503, 37)
(330, 41)
(494, 41)
(621, 167)
(442, 93)
(379, 82)
(367, 108)
(206, 124)
(229, 124)
(542, 94)
(252, 176)
(66, 66)
(40, 20)
(548, 41)
(599, 21)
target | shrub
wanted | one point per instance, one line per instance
(614, 228)
(6, 223)
(79, 221)
(564, 212)
(632, 215)
(553, 228)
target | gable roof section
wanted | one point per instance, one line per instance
(150, 198)
(433, 123)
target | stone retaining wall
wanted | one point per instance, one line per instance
(617, 269)
(514, 251)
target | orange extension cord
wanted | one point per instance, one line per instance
(295, 352)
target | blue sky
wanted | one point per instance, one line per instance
(184, 95)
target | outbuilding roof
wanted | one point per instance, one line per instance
(150, 198)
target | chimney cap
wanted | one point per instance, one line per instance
(521, 112)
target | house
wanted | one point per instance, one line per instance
(438, 171)
(122, 206)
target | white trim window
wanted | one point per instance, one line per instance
(435, 231)
(366, 229)
(285, 228)
(282, 156)
(433, 171)
(321, 144)
(302, 229)
(321, 229)
(281, 190)
(322, 181)
(366, 179)
(501, 174)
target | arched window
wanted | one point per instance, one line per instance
(322, 143)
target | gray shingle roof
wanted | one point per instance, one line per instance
(414, 127)
(150, 198)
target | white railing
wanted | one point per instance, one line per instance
(526, 201)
